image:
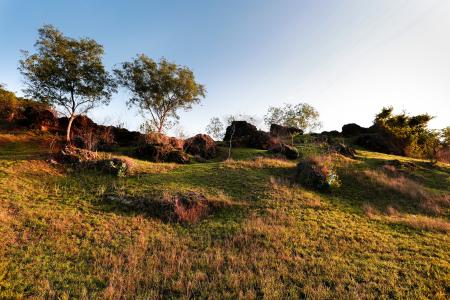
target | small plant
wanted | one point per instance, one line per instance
(318, 172)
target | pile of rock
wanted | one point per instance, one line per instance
(201, 145)
(244, 134)
(289, 151)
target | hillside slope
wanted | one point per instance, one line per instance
(78, 233)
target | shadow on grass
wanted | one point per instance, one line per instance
(143, 194)
(420, 189)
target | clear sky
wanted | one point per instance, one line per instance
(347, 58)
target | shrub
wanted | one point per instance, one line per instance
(116, 166)
(318, 172)
(409, 132)
(8, 104)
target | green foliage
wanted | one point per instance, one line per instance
(66, 73)
(8, 104)
(445, 136)
(302, 116)
(318, 172)
(160, 89)
(418, 140)
(215, 128)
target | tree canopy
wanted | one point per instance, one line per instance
(66, 73)
(302, 116)
(159, 89)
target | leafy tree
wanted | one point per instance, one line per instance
(215, 128)
(302, 116)
(410, 131)
(160, 89)
(445, 136)
(67, 73)
(8, 104)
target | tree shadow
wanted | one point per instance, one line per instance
(418, 188)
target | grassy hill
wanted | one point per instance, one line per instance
(67, 232)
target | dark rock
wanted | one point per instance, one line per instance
(352, 129)
(126, 138)
(333, 133)
(401, 164)
(161, 153)
(71, 154)
(383, 142)
(153, 152)
(284, 131)
(37, 118)
(177, 156)
(343, 150)
(289, 151)
(116, 166)
(202, 145)
(243, 134)
(317, 174)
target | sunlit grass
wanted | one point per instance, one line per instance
(267, 237)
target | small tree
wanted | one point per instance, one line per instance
(445, 136)
(215, 128)
(302, 116)
(67, 73)
(159, 88)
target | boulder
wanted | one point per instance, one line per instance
(284, 131)
(71, 154)
(37, 118)
(243, 134)
(317, 173)
(115, 166)
(344, 150)
(332, 133)
(289, 151)
(161, 153)
(383, 142)
(177, 156)
(126, 138)
(176, 143)
(202, 145)
(352, 129)
(153, 152)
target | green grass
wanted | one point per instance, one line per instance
(268, 238)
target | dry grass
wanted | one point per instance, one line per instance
(414, 221)
(370, 211)
(258, 163)
(409, 188)
(423, 222)
(285, 190)
(263, 237)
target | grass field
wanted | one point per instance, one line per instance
(383, 234)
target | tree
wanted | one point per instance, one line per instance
(67, 73)
(302, 116)
(215, 128)
(445, 136)
(410, 132)
(159, 88)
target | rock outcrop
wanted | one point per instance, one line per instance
(244, 134)
(283, 131)
(202, 145)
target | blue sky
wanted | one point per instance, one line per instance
(347, 58)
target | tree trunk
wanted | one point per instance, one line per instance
(231, 139)
(69, 126)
